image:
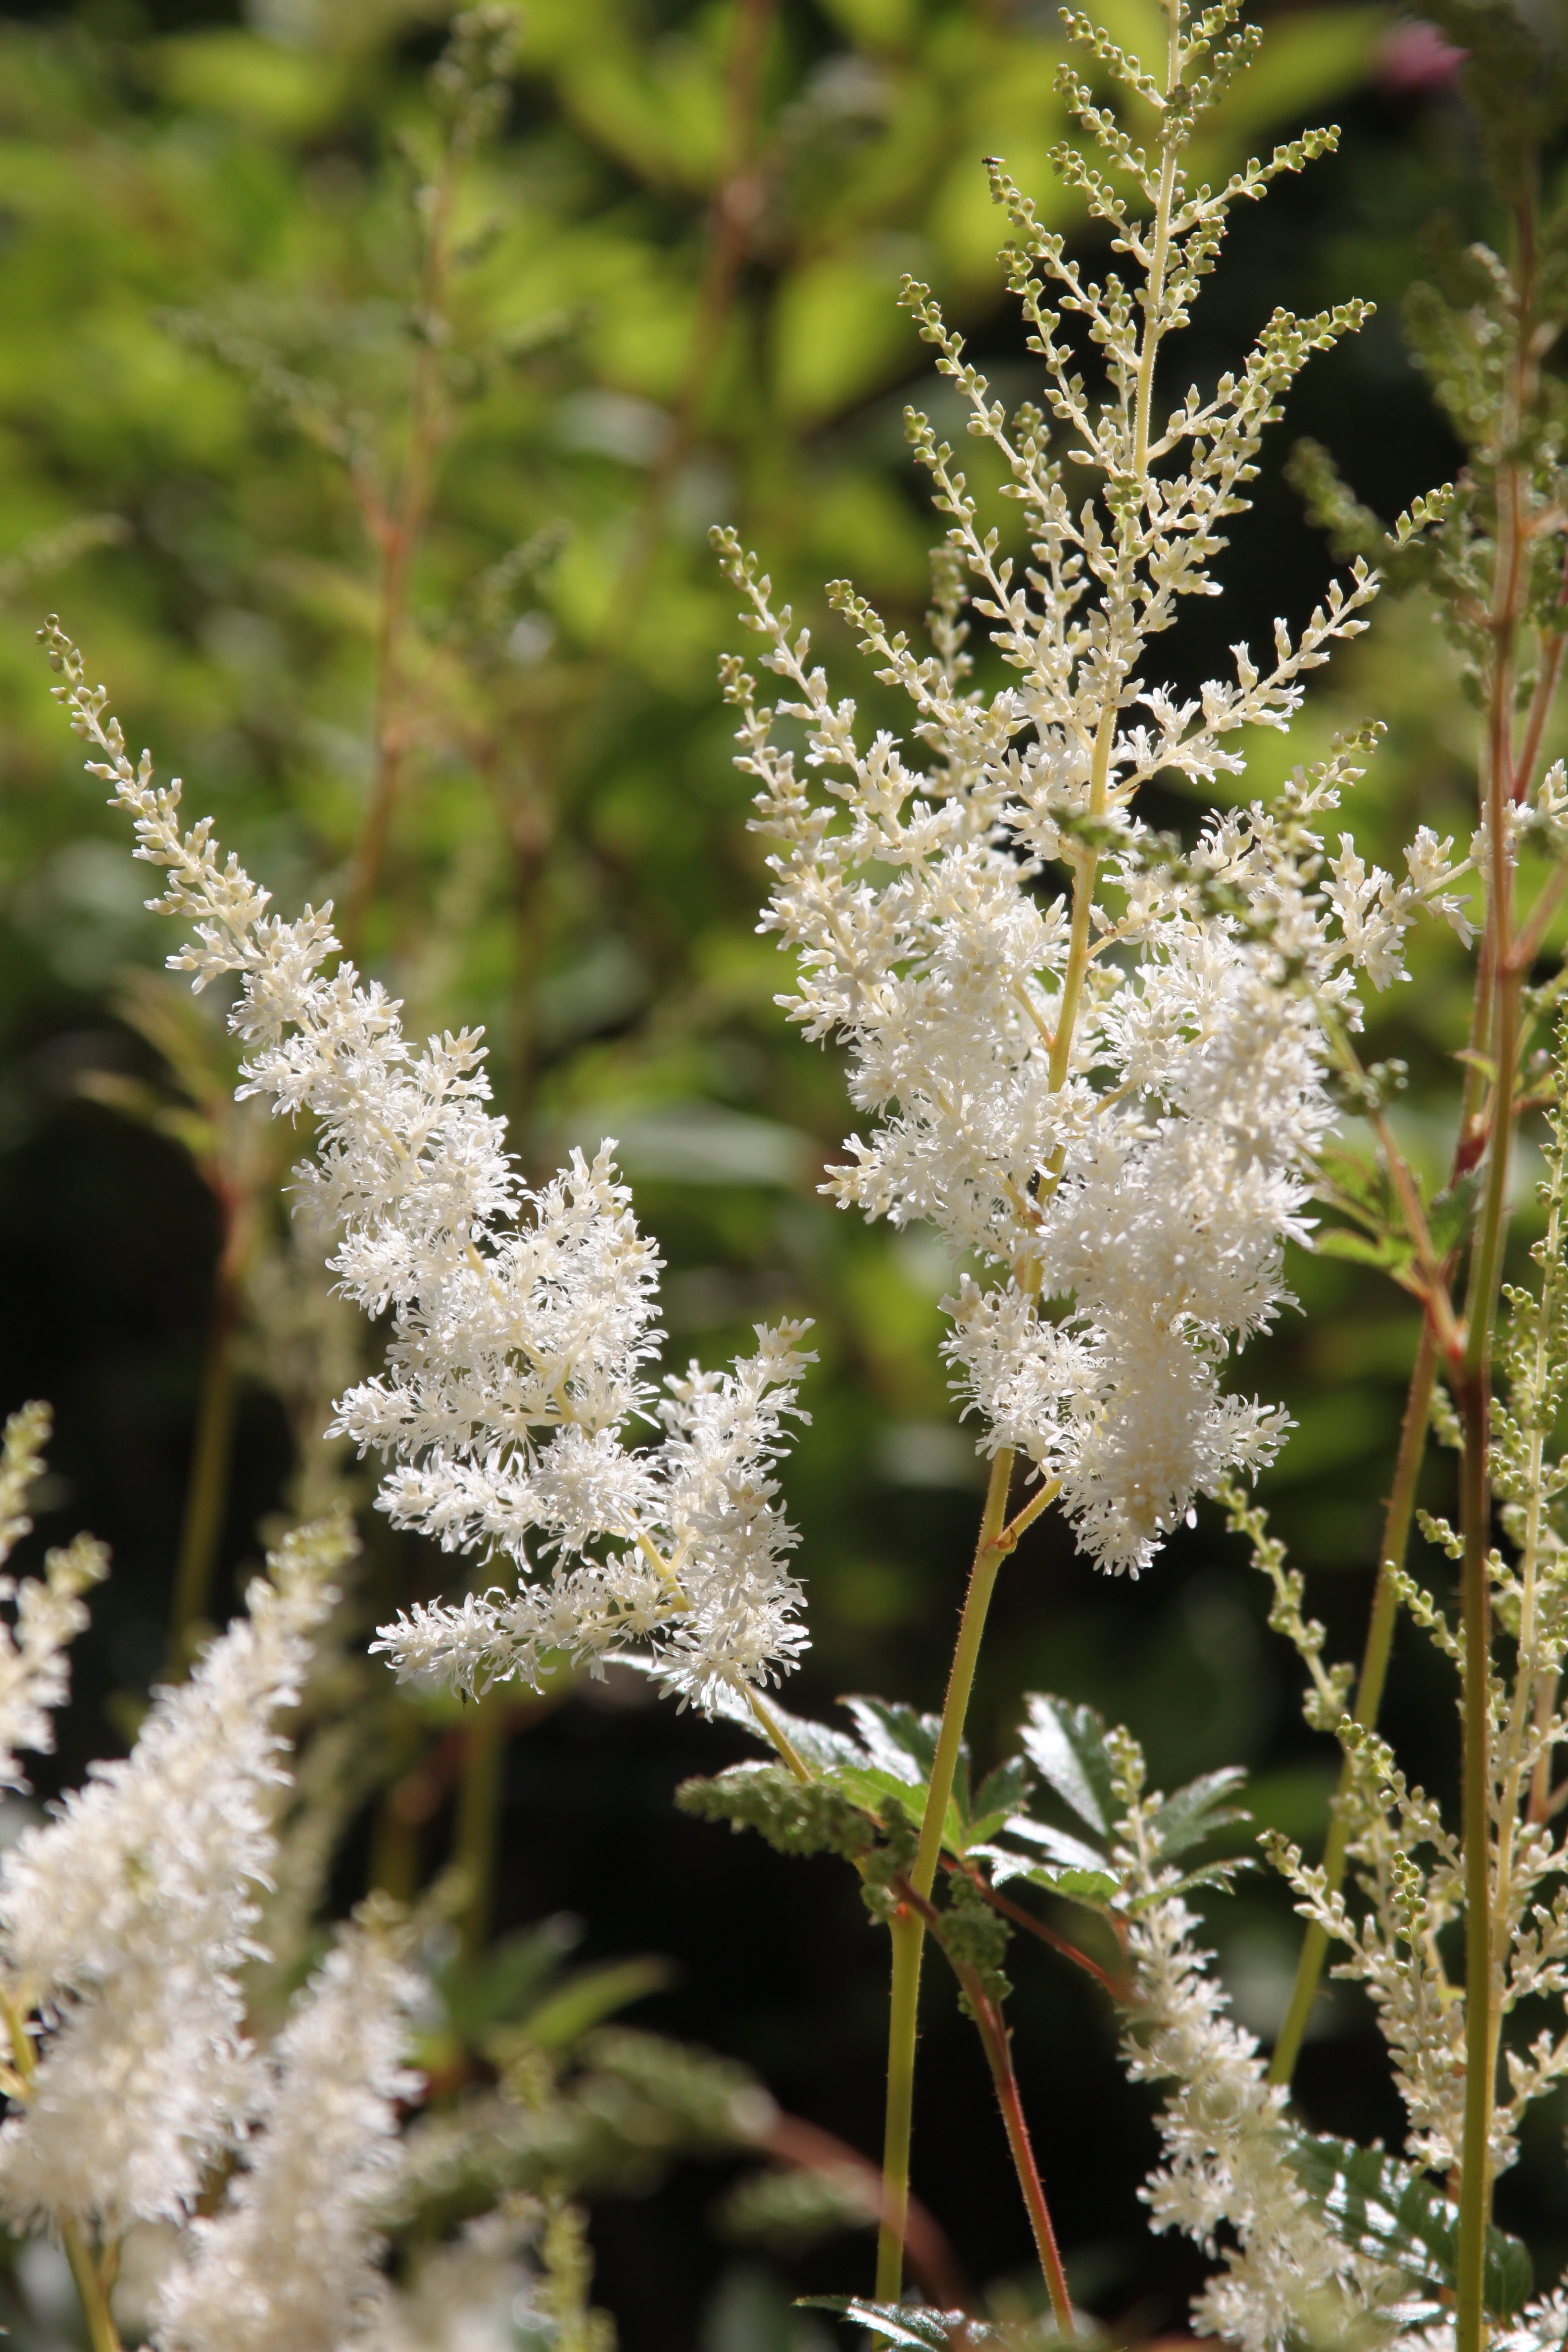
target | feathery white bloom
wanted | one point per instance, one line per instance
(35, 1677)
(523, 1321)
(465, 2296)
(1145, 1171)
(1285, 2279)
(1110, 1098)
(125, 1922)
(291, 2256)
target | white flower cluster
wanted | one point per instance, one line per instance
(1375, 912)
(49, 1613)
(1286, 2279)
(522, 1322)
(291, 2257)
(124, 1924)
(1107, 1098)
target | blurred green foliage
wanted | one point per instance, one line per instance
(670, 302)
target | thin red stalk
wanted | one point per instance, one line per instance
(396, 535)
(1471, 1374)
(795, 2141)
(995, 2041)
(1116, 1987)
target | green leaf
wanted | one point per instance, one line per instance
(590, 1996)
(1448, 1216)
(1197, 1811)
(897, 1739)
(1068, 1853)
(1066, 1745)
(1380, 2207)
(1359, 1187)
(1211, 1873)
(1000, 1795)
(820, 1745)
(793, 1817)
(928, 2330)
(1390, 1252)
(1094, 1887)
(508, 1976)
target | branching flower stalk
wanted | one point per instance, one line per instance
(468, 82)
(1112, 1109)
(522, 1321)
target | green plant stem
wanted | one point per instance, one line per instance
(909, 1928)
(903, 2013)
(92, 2293)
(479, 1814)
(207, 1494)
(908, 1931)
(1369, 1687)
(101, 2333)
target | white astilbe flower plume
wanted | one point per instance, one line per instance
(290, 2259)
(523, 1322)
(1107, 1098)
(35, 1677)
(124, 1923)
(1285, 2279)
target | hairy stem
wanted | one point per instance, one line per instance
(990, 1552)
(1369, 1687)
(1475, 2173)
(999, 2055)
(903, 2010)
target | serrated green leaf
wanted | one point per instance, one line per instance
(1197, 1811)
(1094, 1887)
(1068, 1853)
(820, 1745)
(1449, 1215)
(1001, 1794)
(1066, 1745)
(1380, 2207)
(896, 1739)
(1211, 1873)
(927, 2329)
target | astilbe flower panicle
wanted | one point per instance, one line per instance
(48, 1613)
(291, 2257)
(1227, 2180)
(1107, 1098)
(125, 1923)
(523, 1323)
